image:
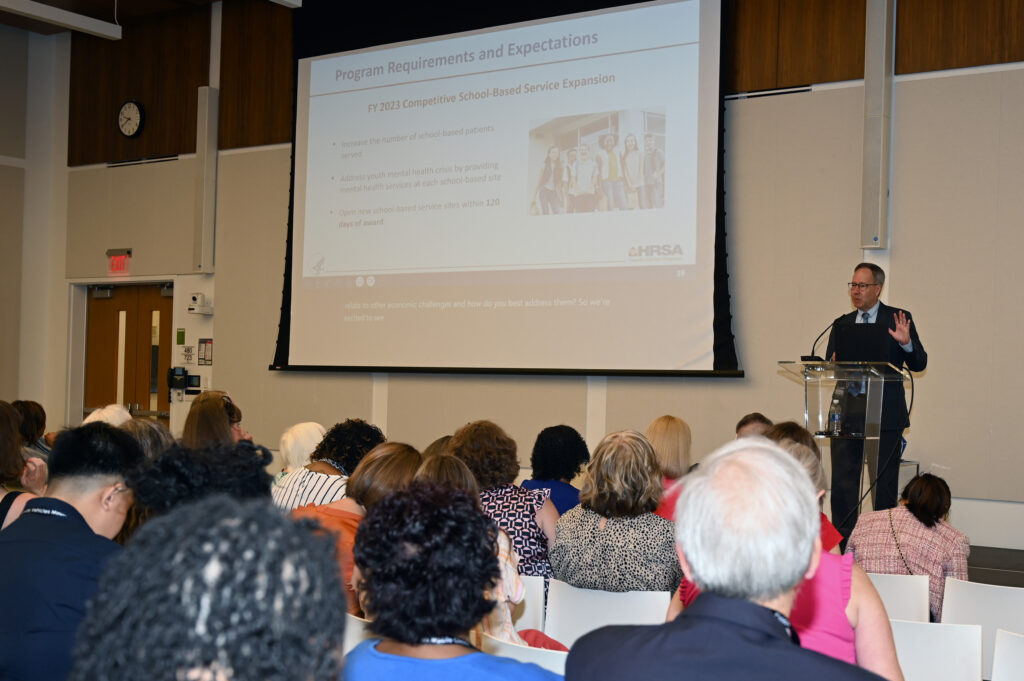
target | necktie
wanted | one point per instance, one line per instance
(865, 318)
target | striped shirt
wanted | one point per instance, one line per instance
(302, 487)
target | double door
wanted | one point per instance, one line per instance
(128, 348)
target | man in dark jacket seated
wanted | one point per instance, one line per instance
(747, 534)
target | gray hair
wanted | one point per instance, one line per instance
(809, 459)
(114, 414)
(747, 521)
(299, 441)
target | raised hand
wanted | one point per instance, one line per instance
(902, 331)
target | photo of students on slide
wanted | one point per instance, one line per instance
(595, 163)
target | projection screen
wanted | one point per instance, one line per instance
(539, 196)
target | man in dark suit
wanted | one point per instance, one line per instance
(903, 349)
(747, 534)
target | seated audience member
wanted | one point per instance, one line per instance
(754, 423)
(182, 475)
(830, 536)
(113, 414)
(323, 479)
(52, 556)
(528, 516)
(790, 433)
(613, 541)
(558, 456)
(213, 420)
(438, 446)
(14, 467)
(33, 427)
(152, 436)
(791, 430)
(448, 471)
(838, 612)
(427, 562)
(297, 445)
(914, 539)
(670, 437)
(387, 468)
(747, 535)
(217, 590)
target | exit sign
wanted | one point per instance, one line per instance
(119, 260)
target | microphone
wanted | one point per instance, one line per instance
(813, 357)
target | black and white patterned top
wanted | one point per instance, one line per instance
(627, 554)
(302, 487)
(514, 510)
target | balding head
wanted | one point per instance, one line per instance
(747, 522)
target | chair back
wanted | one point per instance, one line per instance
(993, 607)
(905, 596)
(552, 660)
(1008, 657)
(572, 612)
(529, 612)
(926, 652)
(356, 632)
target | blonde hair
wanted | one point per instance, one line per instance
(809, 459)
(623, 477)
(670, 436)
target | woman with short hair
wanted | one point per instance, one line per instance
(914, 539)
(528, 516)
(427, 562)
(558, 456)
(613, 541)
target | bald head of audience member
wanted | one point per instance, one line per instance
(749, 524)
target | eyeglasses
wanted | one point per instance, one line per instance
(860, 287)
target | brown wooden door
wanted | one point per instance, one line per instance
(128, 349)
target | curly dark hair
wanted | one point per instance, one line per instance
(346, 443)
(428, 555)
(488, 451)
(558, 454)
(219, 588)
(180, 475)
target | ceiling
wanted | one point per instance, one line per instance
(103, 10)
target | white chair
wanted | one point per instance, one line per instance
(905, 596)
(356, 632)
(993, 607)
(529, 612)
(927, 652)
(1008, 658)
(552, 660)
(573, 612)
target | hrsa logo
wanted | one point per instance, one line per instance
(652, 250)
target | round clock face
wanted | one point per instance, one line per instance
(129, 119)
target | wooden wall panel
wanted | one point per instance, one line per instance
(947, 34)
(257, 74)
(750, 36)
(160, 62)
(820, 41)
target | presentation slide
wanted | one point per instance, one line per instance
(539, 196)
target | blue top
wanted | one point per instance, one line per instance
(563, 495)
(365, 662)
(50, 563)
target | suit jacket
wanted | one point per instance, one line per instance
(715, 639)
(894, 400)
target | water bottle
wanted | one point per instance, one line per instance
(835, 415)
